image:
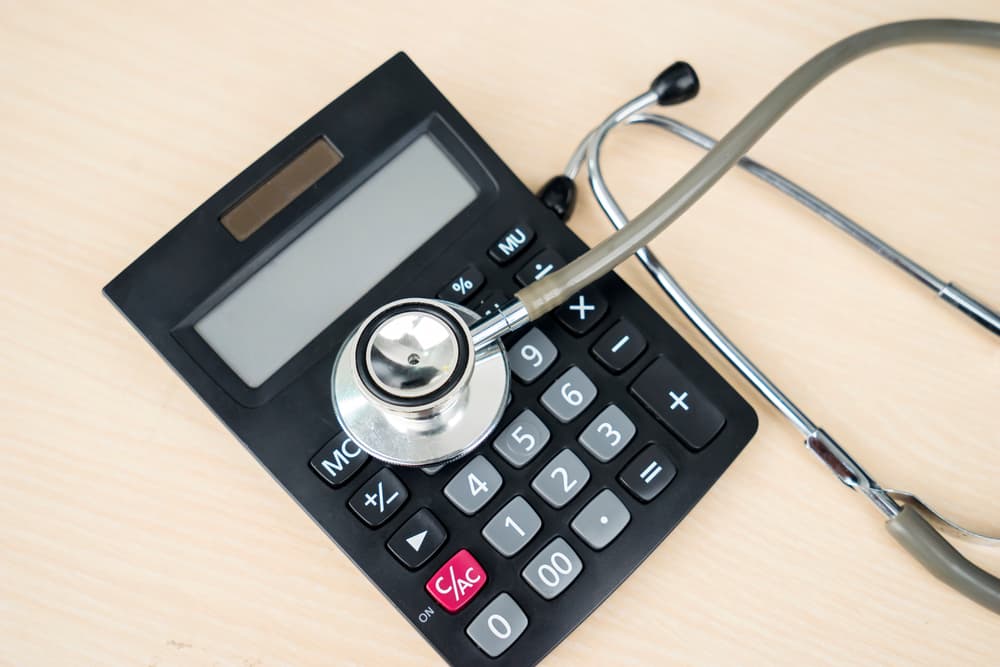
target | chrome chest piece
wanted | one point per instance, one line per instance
(409, 387)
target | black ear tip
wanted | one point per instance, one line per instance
(678, 83)
(559, 196)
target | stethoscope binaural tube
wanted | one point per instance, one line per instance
(908, 518)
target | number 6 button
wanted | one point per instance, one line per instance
(569, 395)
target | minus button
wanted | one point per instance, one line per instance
(619, 347)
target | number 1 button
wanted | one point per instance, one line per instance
(512, 527)
(474, 485)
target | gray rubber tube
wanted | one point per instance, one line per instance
(942, 560)
(546, 294)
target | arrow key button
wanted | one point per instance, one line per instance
(418, 539)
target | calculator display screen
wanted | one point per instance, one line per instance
(261, 325)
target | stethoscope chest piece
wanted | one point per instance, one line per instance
(409, 388)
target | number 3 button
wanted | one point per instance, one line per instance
(531, 356)
(474, 485)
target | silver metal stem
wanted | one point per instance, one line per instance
(510, 318)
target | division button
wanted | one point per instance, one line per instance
(457, 582)
(569, 395)
(461, 288)
(512, 528)
(606, 436)
(379, 498)
(674, 400)
(619, 347)
(511, 244)
(648, 473)
(338, 460)
(560, 480)
(523, 438)
(474, 485)
(497, 626)
(553, 569)
(601, 520)
(418, 539)
(582, 311)
(539, 266)
(531, 356)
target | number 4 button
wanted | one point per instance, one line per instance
(474, 485)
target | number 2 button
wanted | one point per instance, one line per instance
(474, 485)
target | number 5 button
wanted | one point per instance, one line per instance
(531, 356)
(522, 439)
(474, 485)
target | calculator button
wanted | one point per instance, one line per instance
(531, 356)
(379, 498)
(673, 399)
(569, 395)
(607, 435)
(511, 244)
(512, 527)
(338, 460)
(457, 582)
(582, 311)
(418, 539)
(523, 438)
(648, 473)
(601, 520)
(619, 347)
(497, 626)
(474, 485)
(560, 480)
(553, 569)
(491, 304)
(461, 287)
(539, 266)
(430, 471)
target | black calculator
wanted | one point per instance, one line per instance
(615, 426)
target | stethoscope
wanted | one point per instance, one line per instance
(421, 382)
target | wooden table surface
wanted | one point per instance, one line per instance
(137, 531)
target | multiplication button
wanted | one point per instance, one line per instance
(582, 311)
(601, 520)
(379, 498)
(497, 626)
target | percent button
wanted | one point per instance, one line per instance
(461, 288)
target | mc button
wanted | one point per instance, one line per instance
(338, 460)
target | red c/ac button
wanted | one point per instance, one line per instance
(457, 582)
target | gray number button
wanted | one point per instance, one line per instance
(497, 626)
(569, 395)
(601, 520)
(608, 434)
(563, 478)
(522, 439)
(474, 485)
(553, 570)
(531, 356)
(512, 527)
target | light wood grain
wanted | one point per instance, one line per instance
(136, 531)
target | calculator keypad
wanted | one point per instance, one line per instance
(474, 485)
(553, 569)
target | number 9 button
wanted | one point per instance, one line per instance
(531, 356)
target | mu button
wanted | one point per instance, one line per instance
(418, 539)
(457, 582)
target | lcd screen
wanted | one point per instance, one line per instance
(262, 324)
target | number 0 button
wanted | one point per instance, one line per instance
(474, 485)
(569, 395)
(531, 356)
(497, 626)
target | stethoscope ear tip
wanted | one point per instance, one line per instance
(676, 84)
(559, 196)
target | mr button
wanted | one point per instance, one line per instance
(673, 399)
